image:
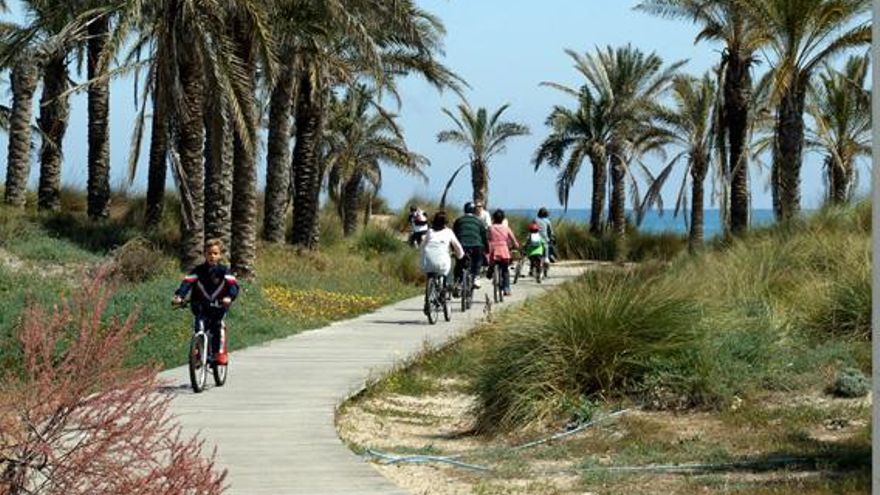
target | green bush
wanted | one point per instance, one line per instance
(378, 240)
(661, 246)
(850, 383)
(594, 337)
(404, 266)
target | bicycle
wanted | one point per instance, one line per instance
(435, 298)
(198, 360)
(537, 267)
(497, 289)
(466, 284)
(518, 268)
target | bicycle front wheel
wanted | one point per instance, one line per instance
(198, 362)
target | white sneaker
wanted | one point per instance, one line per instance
(476, 285)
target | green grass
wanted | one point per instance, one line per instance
(53, 253)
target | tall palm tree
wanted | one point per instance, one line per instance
(723, 21)
(483, 136)
(359, 142)
(250, 36)
(631, 82)
(691, 126)
(277, 197)
(53, 29)
(24, 78)
(98, 13)
(803, 35)
(840, 108)
(336, 42)
(581, 133)
(190, 52)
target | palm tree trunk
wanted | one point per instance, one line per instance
(368, 210)
(278, 157)
(158, 161)
(737, 98)
(698, 177)
(244, 179)
(351, 195)
(480, 181)
(788, 152)
(18, 164)
(191, 140)
(838, 182)
(99, 130)
(617, 207)
(54, 116)
(306, 169)
(218, 175)
(599, 161)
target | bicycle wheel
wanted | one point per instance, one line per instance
(465, 289)
(518, 271)
(431, 309)
(444, 301)
(220, 370)
(198, 361)
(497, 291)
(539, 270)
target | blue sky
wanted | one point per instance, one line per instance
(503, 49)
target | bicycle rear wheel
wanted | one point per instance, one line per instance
(431, 306)
(518, 271)
(497, 291)
(465, 290)
(198, 361)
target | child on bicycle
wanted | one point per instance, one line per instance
(535, 247)
(215, 289)
(500, 240)
(436, 245)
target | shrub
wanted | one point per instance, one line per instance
(329, 228)
(403, 265)
(135, 261)
(663, 246)
(378, 240)
(91, 422)
(592, 338)
(850, 383)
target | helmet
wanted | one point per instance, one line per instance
(533, 227)
(469, 208)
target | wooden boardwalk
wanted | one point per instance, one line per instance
(273, 422)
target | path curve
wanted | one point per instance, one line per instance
(273, 422)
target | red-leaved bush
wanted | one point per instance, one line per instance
(74, 420)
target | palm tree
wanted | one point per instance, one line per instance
(691, 126)
(24, 78)
(359, 143)
(277, 198)
(335, 42)
(98, 31)
(723, 21)
(631, 82)
(582, 133)
(803, 34)
(191, 51)
(40, 46)
(484, 137)
(250, 36)
(840, 108)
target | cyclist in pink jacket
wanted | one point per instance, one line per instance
(500, 240)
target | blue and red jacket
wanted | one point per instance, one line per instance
(209, 285)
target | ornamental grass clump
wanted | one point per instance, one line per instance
(597, 337)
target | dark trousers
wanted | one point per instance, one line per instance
(472, 255)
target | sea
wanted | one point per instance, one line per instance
(654, 221)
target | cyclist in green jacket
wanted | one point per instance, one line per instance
(471, 233)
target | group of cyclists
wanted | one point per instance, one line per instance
(477, 239)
